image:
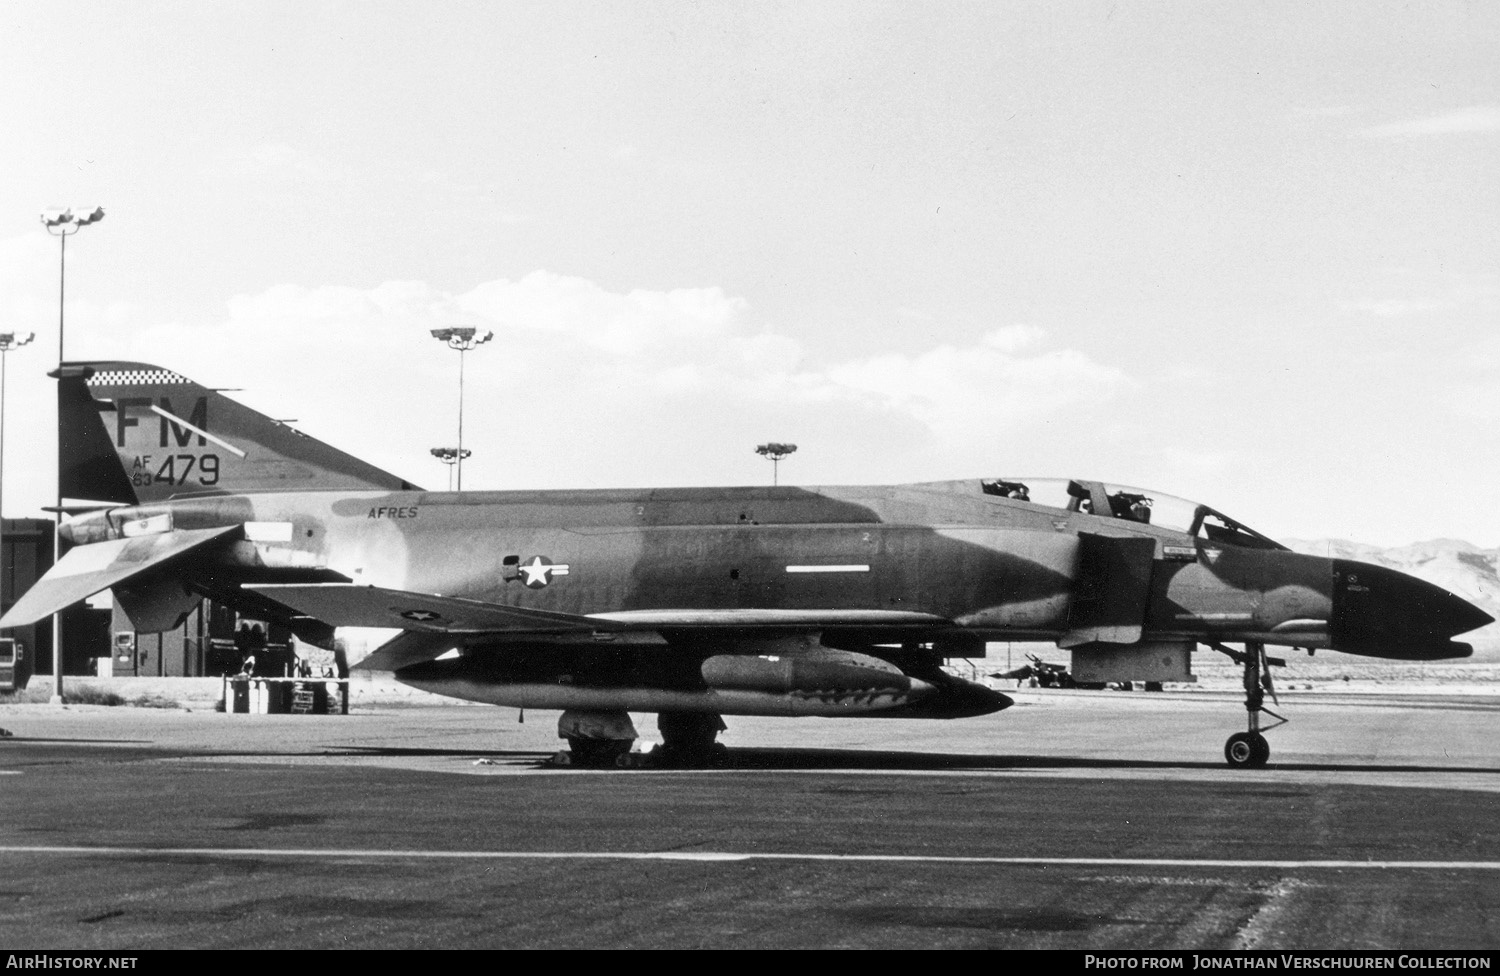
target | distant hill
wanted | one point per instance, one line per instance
(1459, 567)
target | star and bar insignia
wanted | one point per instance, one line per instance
(539, 571)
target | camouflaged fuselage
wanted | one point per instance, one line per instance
(1001, 568)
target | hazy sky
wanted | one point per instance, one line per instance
(1245, 253)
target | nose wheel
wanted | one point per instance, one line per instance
(1249, 749)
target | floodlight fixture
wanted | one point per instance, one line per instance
(58, 221)
(450, 456)
(775, 452)
(462, 338)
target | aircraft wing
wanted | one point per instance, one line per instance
(415, 646)
(430, 621)
(86, 570)
(348, 605)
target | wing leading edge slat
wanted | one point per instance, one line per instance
(348, 605)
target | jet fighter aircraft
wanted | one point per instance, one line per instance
(693, 603)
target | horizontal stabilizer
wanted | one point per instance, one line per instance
(89, 569)
(347, 605)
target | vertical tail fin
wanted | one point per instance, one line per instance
(136, 433)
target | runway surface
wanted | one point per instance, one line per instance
(1073, 820)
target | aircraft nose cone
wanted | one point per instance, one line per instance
(1469, 617)
(1383, 612)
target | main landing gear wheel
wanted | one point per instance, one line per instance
(595, 752)
(687, 739)
(594, 738)
(1246, 750)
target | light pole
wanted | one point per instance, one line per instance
(463, 339)
(775, 453)
(8, 341)
(449, 455)
(62, 225)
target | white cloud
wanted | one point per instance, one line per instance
(632, 323)
(1445, 292)
(1476, 118)
(579, 378)
(977, 394)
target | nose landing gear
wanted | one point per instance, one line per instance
(1249, 749)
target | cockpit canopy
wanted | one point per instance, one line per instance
(1132, 505)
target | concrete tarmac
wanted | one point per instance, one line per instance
(1082, 820)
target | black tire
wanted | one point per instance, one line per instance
(1262, 749)
(598, 752)
(1240, 750)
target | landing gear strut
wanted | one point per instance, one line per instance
(687, 739)
(1249, 749)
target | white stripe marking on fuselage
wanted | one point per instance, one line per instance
(847, 568)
